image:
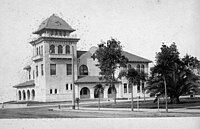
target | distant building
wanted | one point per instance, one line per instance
(50, 74)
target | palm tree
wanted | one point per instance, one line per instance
(98, 91)
(133, 77)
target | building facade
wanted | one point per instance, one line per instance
(57, 65)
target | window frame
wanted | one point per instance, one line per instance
(52, 70)
(83, 70)
(60, 49)
(69, 69)
(52, 49)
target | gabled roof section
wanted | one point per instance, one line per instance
(135, 58)
(54, 23)
(25, 84)
(80, 52)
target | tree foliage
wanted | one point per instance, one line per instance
(179, 78)
(109, 55)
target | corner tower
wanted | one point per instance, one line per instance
(53, 50)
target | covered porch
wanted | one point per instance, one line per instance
(25, 91)
(86, 88)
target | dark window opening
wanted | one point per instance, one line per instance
(52, 69)
(83, 70)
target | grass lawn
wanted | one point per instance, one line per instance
(185, 103)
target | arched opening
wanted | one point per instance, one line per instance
(142, 68)
(33, 94)
(111, 92)
(67, 49)
(129, 66)
(19, 95)
(138, 68)
(60, 49)
(52, 49)
(24, 95)
(85, 93)
(83, 70)
(100, 88)
(28, 94)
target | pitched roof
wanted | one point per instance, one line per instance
(134, 58)
(54, 22)
(90, 79)
(24, 84)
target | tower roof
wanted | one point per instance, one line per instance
(54, 23)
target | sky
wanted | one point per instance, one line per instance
(140, 25)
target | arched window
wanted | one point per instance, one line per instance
(83, 70)
(20, 95)
(142, 68)
(129, 66)
(33, 94)
(138, 68)
(60, 49)
(24, 95)
(28, 94)
(37, 51)
(52, 49)
(67, 49)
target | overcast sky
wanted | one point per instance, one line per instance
(140, 25)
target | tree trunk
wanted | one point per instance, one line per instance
(132, 99)
(99, 102)
(115, 96)
(165, 85)
(144, 96)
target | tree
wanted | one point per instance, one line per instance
(109, 56)
(99, 90)
(134, 77)
(171, 75)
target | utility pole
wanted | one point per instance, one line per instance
(73, 87)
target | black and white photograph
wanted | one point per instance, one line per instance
(100, 64)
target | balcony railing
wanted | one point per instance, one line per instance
(60, 56)
(37, 57)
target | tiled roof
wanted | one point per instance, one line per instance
(79, 53)
(90, 79)
(135, 58)
(27, 67)
(54, 22)
(24, 84)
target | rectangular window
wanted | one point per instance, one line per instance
(129, 88)
(42, 69)
(55, 91)
(71, 86)
(142, 86)
(52, 69)
(125, 88)
(33, 74)
(69, 69)
(50, 91)
(42, 50)
(138, 88)
(36, 71)
(67, 87)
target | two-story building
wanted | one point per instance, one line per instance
(57, 66)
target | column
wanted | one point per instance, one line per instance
(91, 93)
